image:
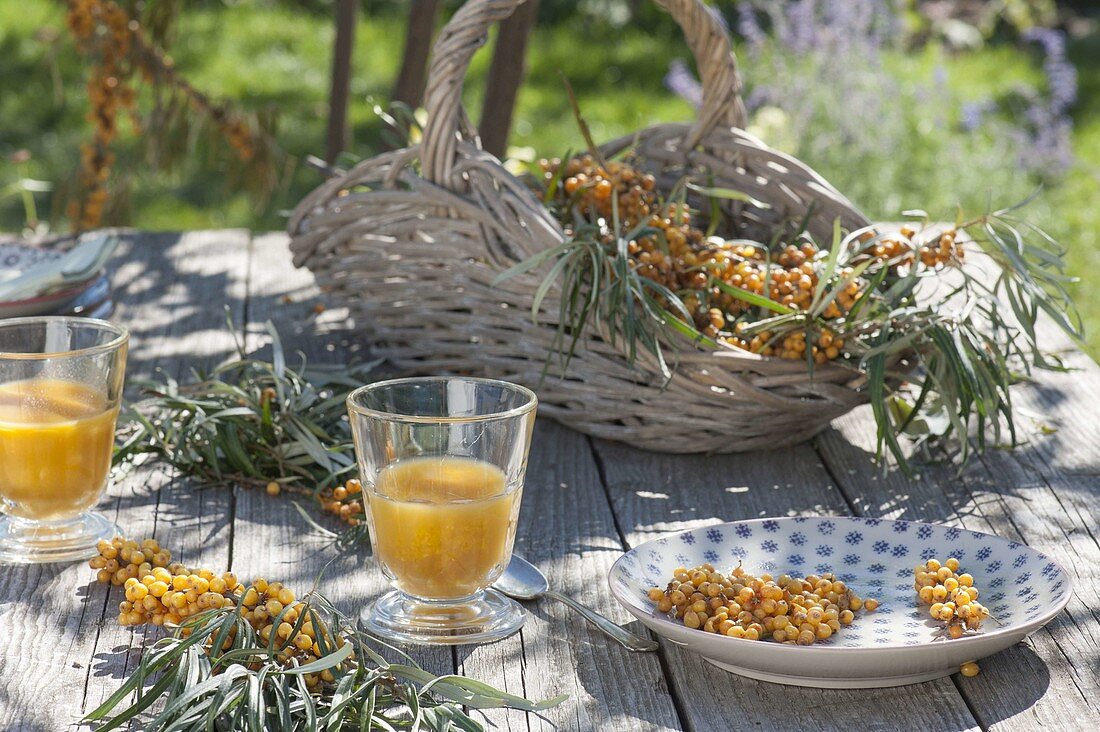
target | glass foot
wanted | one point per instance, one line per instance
(488, 616)
(36, 542)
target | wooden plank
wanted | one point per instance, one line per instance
(566, 528)
(653, 494)
(1047, 677)
(271, 539)
(77, 644)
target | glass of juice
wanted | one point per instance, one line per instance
(442, 462)
(60, 388)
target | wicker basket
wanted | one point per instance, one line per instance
(411, 241)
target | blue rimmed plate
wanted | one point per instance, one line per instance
(894, 645)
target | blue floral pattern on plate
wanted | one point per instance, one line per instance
(864, 552)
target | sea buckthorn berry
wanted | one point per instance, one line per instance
(970, 669)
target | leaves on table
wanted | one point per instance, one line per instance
(249, 422)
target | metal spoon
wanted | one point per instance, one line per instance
(523, 581)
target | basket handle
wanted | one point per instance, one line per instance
(468, 30)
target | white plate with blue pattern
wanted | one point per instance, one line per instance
(894, 645)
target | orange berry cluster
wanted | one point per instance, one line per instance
(792, 345)
(160, 593)
(345, 501)
(792, 610)
(952, 598)
(588, 186)
(272, 609)
(938, 250)
(679, 256)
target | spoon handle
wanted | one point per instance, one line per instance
(625, 638)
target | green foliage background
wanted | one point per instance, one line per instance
(269, 53)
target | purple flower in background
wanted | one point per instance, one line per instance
(760, 96)
(1047, 148)
(681, 82)
(821, 63)
(972, 114)
(1060, 73)
(800, 32)
(749, 26)
(719, 17)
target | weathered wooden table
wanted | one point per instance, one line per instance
(586, 500)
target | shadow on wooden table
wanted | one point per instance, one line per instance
(1016, 677)
(115, 664)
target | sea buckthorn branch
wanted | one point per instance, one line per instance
(259, 424)
(936, 363)
(122, 56)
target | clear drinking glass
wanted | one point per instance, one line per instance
(60, 388)
(442, 462)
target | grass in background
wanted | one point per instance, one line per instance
(270, 54)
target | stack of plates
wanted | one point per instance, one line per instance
(90, 297)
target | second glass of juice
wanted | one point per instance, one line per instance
(60, 387)
(442, 461)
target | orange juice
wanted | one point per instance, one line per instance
(443, 527)
(56, 439)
